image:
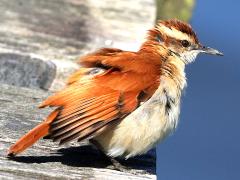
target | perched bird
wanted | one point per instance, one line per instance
(124, 102)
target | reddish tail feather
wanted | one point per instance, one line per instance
(32, 136)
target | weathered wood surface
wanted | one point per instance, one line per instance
(60, 31)
(46, 160)
(39, 41)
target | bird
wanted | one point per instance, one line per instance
(124, 102)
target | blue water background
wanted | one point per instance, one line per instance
(206, 145)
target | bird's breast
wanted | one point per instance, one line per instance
(147, 125)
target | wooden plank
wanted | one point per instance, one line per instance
(35, 34)
(60, 31)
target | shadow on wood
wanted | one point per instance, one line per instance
(87, 156)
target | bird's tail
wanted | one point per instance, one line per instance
(32, 136)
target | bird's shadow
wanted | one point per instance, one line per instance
(87, 156)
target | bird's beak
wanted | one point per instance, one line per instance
(209, 50)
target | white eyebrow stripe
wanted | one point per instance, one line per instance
(174, 33)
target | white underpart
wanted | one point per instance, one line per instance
(149, 124)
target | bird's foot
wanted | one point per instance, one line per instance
(118, 166)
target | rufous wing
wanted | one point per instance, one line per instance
(86, 107)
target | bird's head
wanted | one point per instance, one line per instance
(179, 38)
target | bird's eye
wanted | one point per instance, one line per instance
(185, 43)
(159, 38)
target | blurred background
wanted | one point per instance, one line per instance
(40, 41)
(206, 144)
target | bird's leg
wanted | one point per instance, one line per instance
(118, 166)
(115, 163)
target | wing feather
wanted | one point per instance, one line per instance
(105, 116)
(91, 102)
(81, 115)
